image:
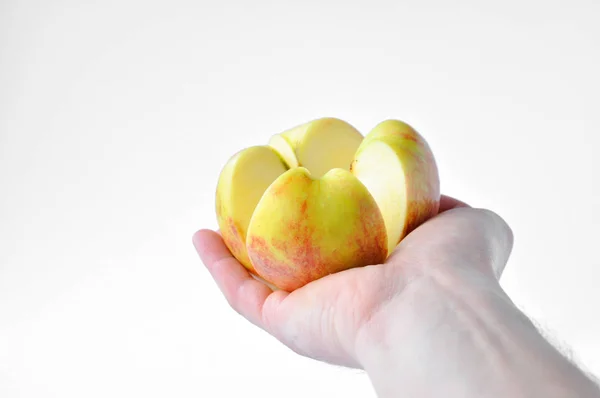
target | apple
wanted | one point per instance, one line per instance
(398, 168)
(320, 198)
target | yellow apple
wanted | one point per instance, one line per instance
(321, 198)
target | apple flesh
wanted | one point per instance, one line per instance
(321, 198)
(319, 146)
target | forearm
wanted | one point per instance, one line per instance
(453, 340)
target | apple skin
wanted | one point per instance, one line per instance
(304, 229)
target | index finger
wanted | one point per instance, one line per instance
(448, 203)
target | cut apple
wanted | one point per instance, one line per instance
(285, 149)
(319, 146)
(321, 198)
(396, 165)
(380, 169)
(243, 181)
(304, 228)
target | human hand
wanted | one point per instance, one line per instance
(324, 318)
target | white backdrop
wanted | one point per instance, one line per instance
(117, 116)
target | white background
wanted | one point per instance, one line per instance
(117, 116)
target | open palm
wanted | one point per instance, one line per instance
(322, 319)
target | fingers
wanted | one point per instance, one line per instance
(246, 295)
(448, 203)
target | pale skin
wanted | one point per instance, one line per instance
(432, 321)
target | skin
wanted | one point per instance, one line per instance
(431, 321)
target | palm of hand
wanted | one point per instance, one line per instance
(321, 320)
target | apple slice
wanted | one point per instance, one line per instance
(319, 145)
(283, 146)
(242, 182)
(397, 166)
(304, 228)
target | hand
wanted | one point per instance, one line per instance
(324, 319)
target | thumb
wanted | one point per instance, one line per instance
(462, 237)
(498, 237)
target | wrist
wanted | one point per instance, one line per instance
(423, 302)
(460, 335)
(437, 337)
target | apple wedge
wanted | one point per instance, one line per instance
(397, 166)
(319, 145)
(242, 183)
(303, 228)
